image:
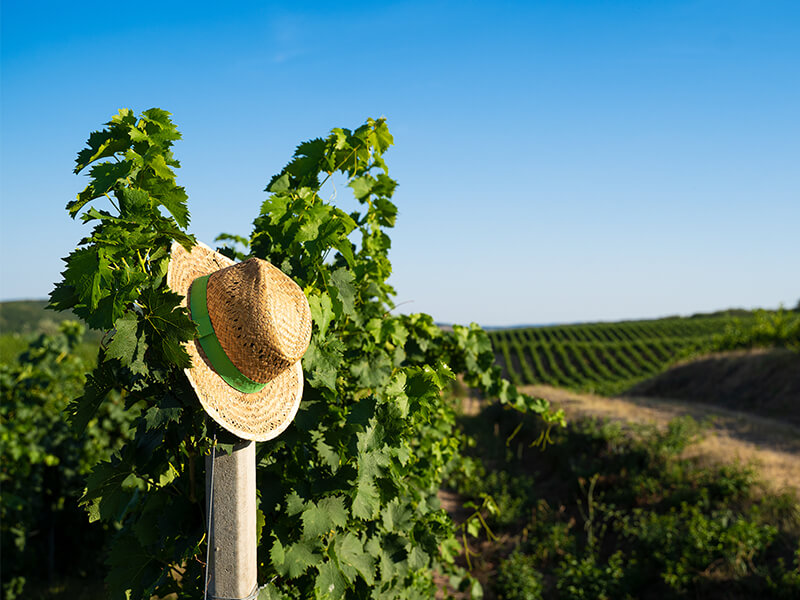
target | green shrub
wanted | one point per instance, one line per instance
(727, 482)
(681, 432)
(589, 578)
(686, 545)
(768, 329)
(510, 493)
(518, 579)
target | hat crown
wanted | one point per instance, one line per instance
(260, 317)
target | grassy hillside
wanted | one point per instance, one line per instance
(27, 317)
(21, 321)
(764, 382)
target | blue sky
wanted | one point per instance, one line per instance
(558, 161)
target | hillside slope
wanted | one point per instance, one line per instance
(30, 317)
(763, 382)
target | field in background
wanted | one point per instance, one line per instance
(22, 321)
(604, 357)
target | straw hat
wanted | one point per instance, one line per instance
(254, 325)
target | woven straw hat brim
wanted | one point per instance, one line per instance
(259, 416)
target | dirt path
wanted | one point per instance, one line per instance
(773, 446)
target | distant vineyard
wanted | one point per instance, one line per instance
(603, 357)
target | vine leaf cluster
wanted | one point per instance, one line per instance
(348, 494)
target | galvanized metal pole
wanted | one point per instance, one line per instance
(232, 536)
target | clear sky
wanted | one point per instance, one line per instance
(558, 161)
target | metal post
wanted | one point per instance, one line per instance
(232, 536)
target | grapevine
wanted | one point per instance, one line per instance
(348, 494)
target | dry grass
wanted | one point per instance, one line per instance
(771, 446)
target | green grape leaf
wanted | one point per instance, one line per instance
(81, 410)
(370, 439)
(159, 165)
(333, 508)
(326, 454)
(353, 559)
(101, 144)
(373, 370)
(298, 558)
(315, 522)
(174, 200)
(277, 555)
(385, 187)
(270, 592)
(373, 547)
(417, 558)
(130, 566)
(107, 175)
(261, 521)
(279, 184)
(82, 274)
(380, 136)
(329, 584)
(396, 517)
(168, 411)
(168, 325)
(322, 517)
(309, 161)
(345, 248)
(110, 486)
(321, 362)
(294, 504)
(63, 297)
(125, 339)
(314, 216)
(362, 186)
(385, 211)
(341, 281)
(366, 502)
(321, 311)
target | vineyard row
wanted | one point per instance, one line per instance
(602, 357)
